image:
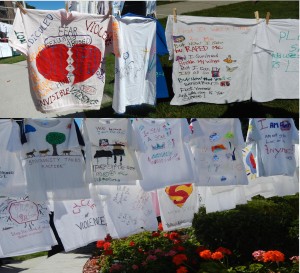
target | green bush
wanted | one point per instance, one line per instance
(260, 224)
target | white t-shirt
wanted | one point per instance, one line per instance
(135, 66)
(12, 179)
(217, 147)
(65, 54)
(274, 142)
(24, 226)
(212, 58)
(129, 209)
(276, 61)
(166, 159)
(53, 160)
(177, 206)
(79, 222)
(110, 161)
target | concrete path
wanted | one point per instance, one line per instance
(16, 100)
(71, 262)
(188, 6)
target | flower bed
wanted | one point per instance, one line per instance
(179, 252)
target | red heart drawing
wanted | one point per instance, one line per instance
(52, 62)
(86, 61)
(179, 194)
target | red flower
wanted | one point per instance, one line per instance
(217, 255)
(100, 243)
(179, 259)
(140, 250)
(108, 238)
(166, 235)
(205, 254)
(106, 245)
(132, 243)
(182, 269)
(273, 256)
(224, 250)
(160, 227)
(176, 242)
(108, 252)
(155, 234)
(179, 248)
(173, 235)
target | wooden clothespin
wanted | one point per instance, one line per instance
(20, 6)
(67, 6)
(268, 17)
(175, 14)
(256, 14)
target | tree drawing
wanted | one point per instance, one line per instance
(55, 138)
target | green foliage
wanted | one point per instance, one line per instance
(260, 224)
(12, 60)
(55, 138)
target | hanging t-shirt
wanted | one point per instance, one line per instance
(165, 160)
(217, 147)
(12, 179)
(177, 206)
(24, 226)
(79, 222)
(66, 56)
(110, 161)
(212, 58)
(276, 61)
(135, 65)
(129, 208)
(274, 148)
(53, 160)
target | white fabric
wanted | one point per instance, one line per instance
(53, 160)
(224, 200)
(5, 50)
(24, 227)
(12, 179)
(91, 7)
(110, 161)
(129, 208)
(212, 58)
(166, 159)
(274, 142)
(217, 147)
(5, 28)
(79, 222)
(276, 61)
(65, 54)
(178, 205)
(135, 67)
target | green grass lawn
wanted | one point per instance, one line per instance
(12, 60)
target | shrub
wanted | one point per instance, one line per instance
(260, 224)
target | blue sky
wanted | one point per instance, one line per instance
(47, 5)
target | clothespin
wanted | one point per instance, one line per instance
(20, 6)
(175, 14)
(268, 17)
(256, 14)
(67, 6)
(110, 10)
(119, 13)
(154, 14)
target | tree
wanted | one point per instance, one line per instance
(55, 138)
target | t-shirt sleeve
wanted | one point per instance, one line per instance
(14, 143)
(73, 138)
(186, 131)
(17, 37)
(252, 134)
(135, 141)
(295, 132)
(238, 133)
(169, 37)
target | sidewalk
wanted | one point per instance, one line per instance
(188, 6)
(16, 101)
(71, 262)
